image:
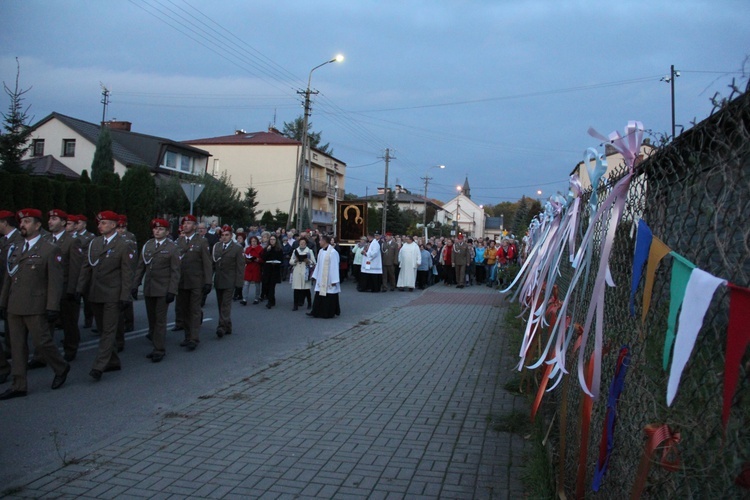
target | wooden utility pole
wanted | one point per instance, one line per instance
(387, 158)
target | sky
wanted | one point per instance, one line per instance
(500, 92)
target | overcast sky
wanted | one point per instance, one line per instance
(501, 91)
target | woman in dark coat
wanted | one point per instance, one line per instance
(273, 255)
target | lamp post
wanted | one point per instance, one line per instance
(424, 214)
(670, 80)
(458, 210)
(298, 188)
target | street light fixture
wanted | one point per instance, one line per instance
(424, 214)
(670, 80)
(298, 184)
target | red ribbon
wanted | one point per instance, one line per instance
(552, 309)
(657, 435)
(738, 338)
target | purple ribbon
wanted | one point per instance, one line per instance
(642, 248)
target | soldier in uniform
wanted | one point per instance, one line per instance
(460, 258)
(107, 277)
(127, 318)
(389, 250)
(85, 236)
(30, 298)
(71, 224)
(70, 307)
(11, 237)
(195, 280)
(229, 274)
(159, 269)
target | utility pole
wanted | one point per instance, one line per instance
(670, 80)
(387, 158)
(424, 215)
(105, 101)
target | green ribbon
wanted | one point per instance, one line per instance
(681, 270)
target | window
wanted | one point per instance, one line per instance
(170, 160)
(179, 162)
(38, 147)
(185, 164)
(69, 147)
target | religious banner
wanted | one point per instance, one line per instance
(351, 221)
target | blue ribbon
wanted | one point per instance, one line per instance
(615, 389)
(642, 248)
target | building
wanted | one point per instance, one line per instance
(72, 143)
(267, 161)
(467, 217)
(405, 201)
(615, 162)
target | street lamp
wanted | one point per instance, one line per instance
(670, 80)
(298, 188)
(426, 180)
(458, 210)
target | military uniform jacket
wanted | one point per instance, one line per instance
(462, 254)
(196, 269)
(5, 245)
(389, 249)
(85, 239)
(72, 259)
(107, 271)
(159, 269)
(229, 266)
(34, 281)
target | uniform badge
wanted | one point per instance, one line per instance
(130, 256)
(58, 258)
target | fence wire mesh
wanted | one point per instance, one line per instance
(694, 193)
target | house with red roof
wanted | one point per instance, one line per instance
(268, 162)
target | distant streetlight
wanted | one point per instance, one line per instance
(298, 188)
(426, 180)
(670, 80)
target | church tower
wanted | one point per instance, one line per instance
(466, 190)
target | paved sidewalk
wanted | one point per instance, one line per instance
(397, 406)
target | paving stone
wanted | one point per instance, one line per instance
(377, 411)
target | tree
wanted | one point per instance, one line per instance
(103, 164)
(394, 222)
(14, 140)
(220, 198)
(137, 187)
(293, 130)
(266, 219)
(280, 218)
(251, 203)
(170, 198)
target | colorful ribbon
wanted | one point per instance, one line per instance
(698, 294)
(656, 253)
(738, 339)
(642, 249)
(656, 436)
(608, 432)
(681, 270)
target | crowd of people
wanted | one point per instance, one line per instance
(404, 263)
(48, 273)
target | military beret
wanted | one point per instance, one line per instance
(159, 223)
(72, 218)
(82, 218)
(226, 227)
(460, 236)
(4, 214)
(107, 215)
(189, 217)
(122, 220)
(29, 212)
(56, 212)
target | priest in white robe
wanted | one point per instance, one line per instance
(327, 282)
(409, 258)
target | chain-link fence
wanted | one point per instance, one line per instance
(694, 193)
